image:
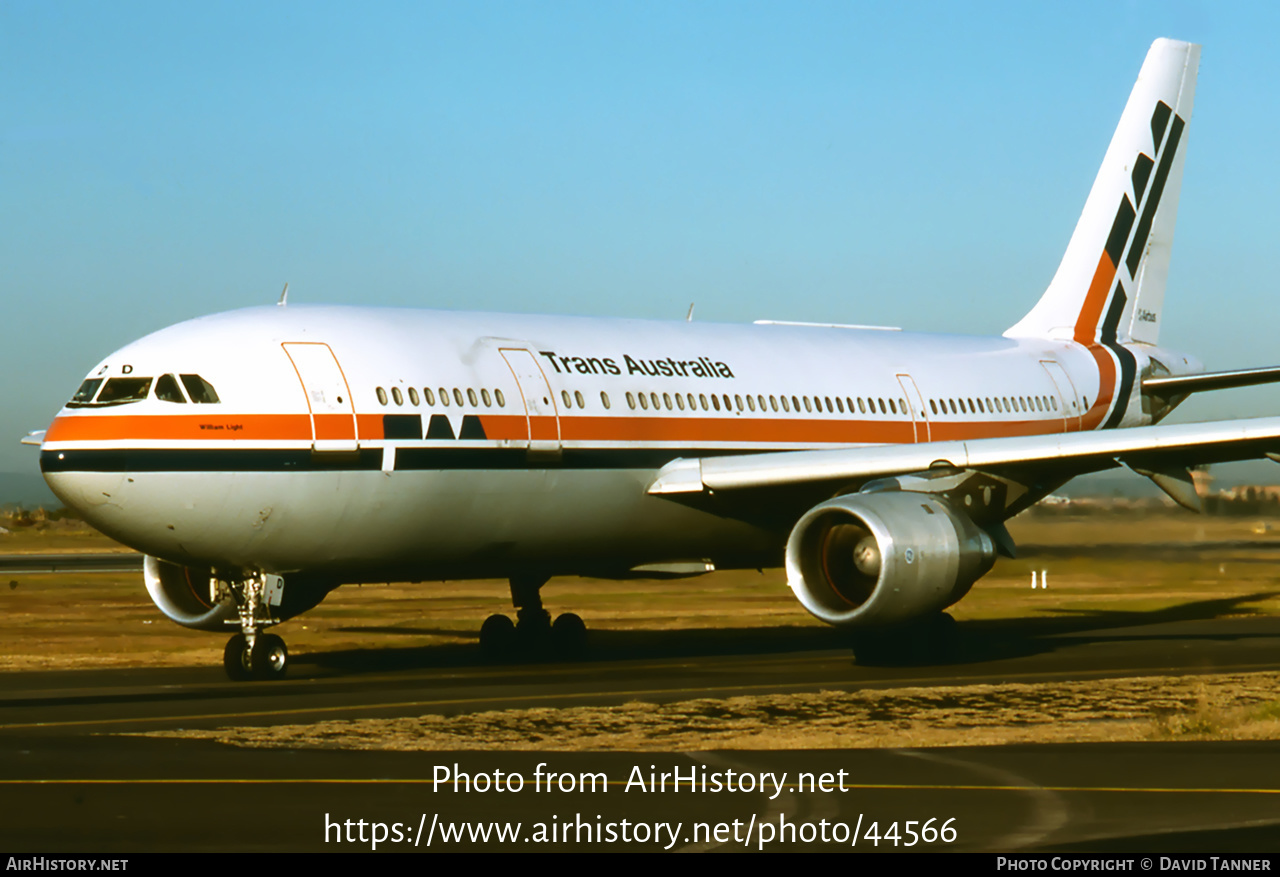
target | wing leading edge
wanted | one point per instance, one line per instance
(1059, 456)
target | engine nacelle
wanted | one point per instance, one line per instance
(879, 559)
(184, 595)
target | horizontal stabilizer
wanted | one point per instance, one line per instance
(1169, 386)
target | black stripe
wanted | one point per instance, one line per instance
(1139, 244)
(439, 427)
(472, 429)
(402, 426)
(1128, 364)
(1159, 119)
(368, 459)
(207, 460)
(1141, 172)
(1120, 230)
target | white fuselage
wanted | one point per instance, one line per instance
(375, 443)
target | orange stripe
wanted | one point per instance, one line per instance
(1086, 332)
(238, 427)
(624, 428)
(1091, 312)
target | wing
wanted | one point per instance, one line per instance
(1162, 453)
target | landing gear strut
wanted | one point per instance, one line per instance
(252, 654)
(533, 631)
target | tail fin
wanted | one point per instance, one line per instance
(1109, 288)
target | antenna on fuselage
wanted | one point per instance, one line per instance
(284, 296)
(688, 318)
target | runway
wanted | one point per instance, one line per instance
(71, 782)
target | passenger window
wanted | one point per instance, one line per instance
(751, 403)
(472, 398)
(444, 397)
(883, 409)
(679, 401)
(413, 396)
(862, 409)
(644, 401)
(666, 400)
(397, 395)
(429, 396)
(840, 404)
(892, 409)
(167, 389)
(715, 401)
(703, 399)
(786, 406)
(564, 397)
(631, 401)
(604, 400)
(693, 403)
(807, 406)
(773, 402)
(582, 403)
(200, 390)
(457, 396)
(486, 398)
(502, 402)
(382, 395)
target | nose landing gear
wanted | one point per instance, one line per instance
(252, 654)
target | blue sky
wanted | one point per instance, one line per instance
(914, 164)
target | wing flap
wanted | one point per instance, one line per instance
(1154, 448)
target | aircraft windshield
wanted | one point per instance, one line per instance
(199, 389)
(121, 390)
(84, 395)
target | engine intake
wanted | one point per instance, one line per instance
(184, 595)
(872, 560)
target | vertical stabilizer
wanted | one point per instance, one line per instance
(1109, 288)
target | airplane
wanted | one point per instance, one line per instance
(262, 457)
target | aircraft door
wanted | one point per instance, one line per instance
(542, 416)
(1070, 409)
(915, 404)
(333, 414)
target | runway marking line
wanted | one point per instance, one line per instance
(863, 787)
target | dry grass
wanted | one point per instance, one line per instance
(1242, 706)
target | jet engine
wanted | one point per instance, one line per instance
(184, 594)
(881, 559)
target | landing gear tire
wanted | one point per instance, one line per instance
(235, 659)
(268, 659)
(497, 636)
(569, 636)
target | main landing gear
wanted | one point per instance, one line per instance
(252, 654)
(533, 633)
(931, 640)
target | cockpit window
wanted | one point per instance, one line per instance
(200, 390)
(167, 389)
(120, 390)
(84, 395)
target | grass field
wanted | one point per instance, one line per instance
(1109, 566)
(1104, 570)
